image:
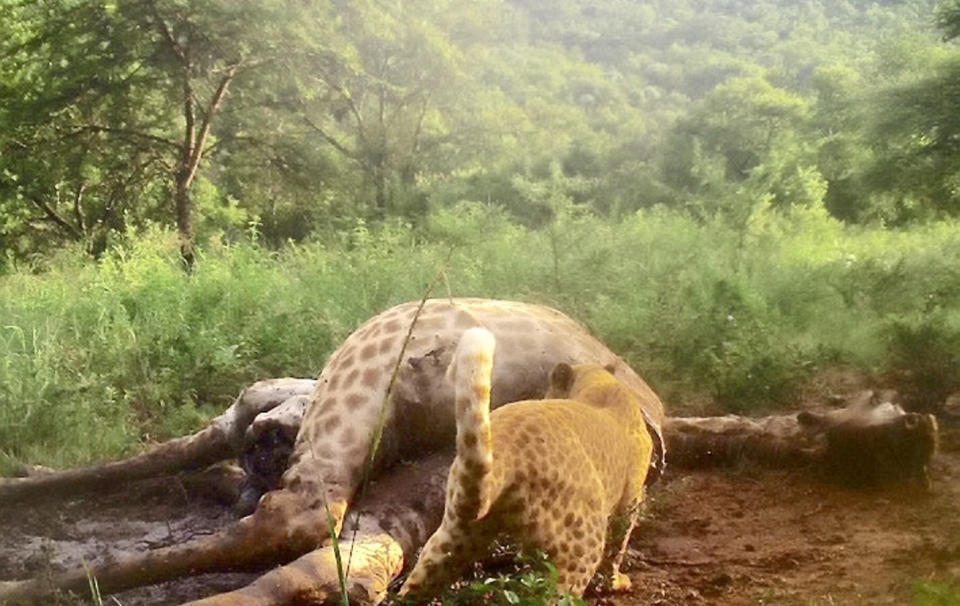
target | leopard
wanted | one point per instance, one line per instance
(563, 476)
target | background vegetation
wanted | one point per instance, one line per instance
(732, 194)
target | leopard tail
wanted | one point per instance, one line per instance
(471, 372)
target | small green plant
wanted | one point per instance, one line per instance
(94, 585)
(931, 593)
(69, 598)
(338, 557)
(531, 580)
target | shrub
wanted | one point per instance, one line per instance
(96, 358)
(924, 357)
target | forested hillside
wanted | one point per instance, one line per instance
(294, 120)
(733, 193)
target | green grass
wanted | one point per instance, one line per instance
(96, 358)
(929, 593)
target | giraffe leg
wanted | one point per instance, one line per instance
(220, 439)
(284, 527)
(245, 545)
(369, 564)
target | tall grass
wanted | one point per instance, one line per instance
(97, 358)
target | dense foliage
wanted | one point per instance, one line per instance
(132, 348)
(297, 118)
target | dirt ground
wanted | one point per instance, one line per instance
(724, 537)
(743, 537)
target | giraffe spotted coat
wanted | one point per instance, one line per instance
(332, 446)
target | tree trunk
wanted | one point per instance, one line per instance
(184, 209)
(380, 186)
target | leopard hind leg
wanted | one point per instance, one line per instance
(572, 539)
(619, 527)
(446, 555)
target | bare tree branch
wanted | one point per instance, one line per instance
(415, 144)
(336, 144)
(96, 128)
(168, 35)
(51, 215)
(351, 105)
(196, 152)
(77, 208)
(190, 117)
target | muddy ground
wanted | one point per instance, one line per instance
(760, 537)
(724, 537)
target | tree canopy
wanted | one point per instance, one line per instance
(216, 117)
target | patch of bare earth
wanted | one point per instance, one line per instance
(40, 538)
(761, 537)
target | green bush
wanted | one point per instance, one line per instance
(96, 358)
(924, 355)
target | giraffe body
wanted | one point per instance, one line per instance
(336, 434)
(334, 439)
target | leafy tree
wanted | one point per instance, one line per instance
(843, 149)
(948, 19)
(299, 116)
(399, 101)
(109, 99)
(741, 142)
(916, 134)
(82, 124)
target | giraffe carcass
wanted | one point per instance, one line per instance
(404, 507)
(330, 455)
